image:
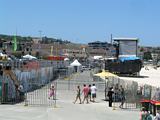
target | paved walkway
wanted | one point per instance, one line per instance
(66, 110)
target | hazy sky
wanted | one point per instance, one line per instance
(83, 21)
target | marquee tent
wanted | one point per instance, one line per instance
(77, 66)
(75, 63)
(30, 57)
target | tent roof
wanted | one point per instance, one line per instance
(75, 63)
(97, 57)
(128, 58)
(29, 57)
(66, 59)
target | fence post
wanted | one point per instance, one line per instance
(55, 102)
(114, 102)
(69, 82)
(105, 89)
(25, 99)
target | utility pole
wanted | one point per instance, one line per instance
(40, 34)
(111, 39)
(39, 42)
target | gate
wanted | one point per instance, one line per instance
(39, 95)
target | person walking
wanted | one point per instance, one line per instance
(122, 96)
(110, 95)
(143, 114)
(78, 96)
(149, 116)
(93, 92)
(51, 92)
(89, 93)
(85, 93)
(157, 117)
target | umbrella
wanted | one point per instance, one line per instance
(105, 74)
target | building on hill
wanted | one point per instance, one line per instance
(98, 48)
(99, 45)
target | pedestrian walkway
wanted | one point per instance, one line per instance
(65, 109)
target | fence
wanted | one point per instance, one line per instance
(10, 92)
(133, 92)
(39, 96)
(72, 85)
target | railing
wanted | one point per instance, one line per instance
(17, 64)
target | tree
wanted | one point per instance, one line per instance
(147, 56)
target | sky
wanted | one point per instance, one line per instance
(83, 21)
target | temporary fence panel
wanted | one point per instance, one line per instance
(39, 96)
(130, 89)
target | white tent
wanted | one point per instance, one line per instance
(75, 63)
(1, 54)
(30, 57)
(66, 59)
(97, 57)
(77, 66)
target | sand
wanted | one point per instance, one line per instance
(150, 77)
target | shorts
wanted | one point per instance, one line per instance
(78, 96)
(94, 95)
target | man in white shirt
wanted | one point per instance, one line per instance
(157, 117)
(93, 92)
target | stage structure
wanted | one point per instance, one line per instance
(125, 60)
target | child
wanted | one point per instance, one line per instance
(51, 92)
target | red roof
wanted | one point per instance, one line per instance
(154, 102)
(145, 101)
(56, 58)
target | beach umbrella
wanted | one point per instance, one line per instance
(105, 74)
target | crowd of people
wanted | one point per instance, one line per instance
(89, 94)
(147, 115)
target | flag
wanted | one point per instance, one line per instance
(14, 43)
